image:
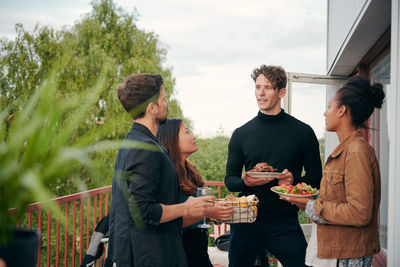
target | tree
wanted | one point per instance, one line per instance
(38, 150)
(211, 157)
(106, 35)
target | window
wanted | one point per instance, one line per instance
(380, 140)
(307, 98)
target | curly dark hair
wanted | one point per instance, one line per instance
(138, 91)
(275, 74)
(361, 98)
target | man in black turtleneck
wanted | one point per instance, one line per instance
(288, 145)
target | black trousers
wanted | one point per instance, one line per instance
(195, 243)
(284, 239)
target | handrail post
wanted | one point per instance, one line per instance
(66, 235)
(39, 232)
(48, 237)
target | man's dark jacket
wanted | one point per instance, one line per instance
(144, 177)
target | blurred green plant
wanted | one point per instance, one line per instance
(106, 35)
(39, 145)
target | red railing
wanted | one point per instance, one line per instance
(75, 240)
(68, 243)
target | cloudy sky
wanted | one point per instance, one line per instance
(213, 46)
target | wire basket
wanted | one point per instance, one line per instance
(243, 211)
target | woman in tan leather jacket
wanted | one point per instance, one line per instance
(346, 211)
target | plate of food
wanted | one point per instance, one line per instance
(263, 174)
(263, 170)
(299, 190)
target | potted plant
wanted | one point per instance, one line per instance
(37, 146)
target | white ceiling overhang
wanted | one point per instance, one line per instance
(372, 22)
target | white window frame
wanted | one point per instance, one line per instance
(297, 77)
(332, 84)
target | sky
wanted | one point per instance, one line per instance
(213, 47)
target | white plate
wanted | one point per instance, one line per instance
(263, 174)
(291, 195)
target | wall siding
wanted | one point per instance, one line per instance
(342, 15)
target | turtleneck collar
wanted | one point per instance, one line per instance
(271, 117)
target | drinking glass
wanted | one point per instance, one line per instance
(204, 191)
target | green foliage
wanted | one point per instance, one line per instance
(39, 146)
(210, 159)
(58, 98)
(303, 217)
(105, 36)
(322, 150)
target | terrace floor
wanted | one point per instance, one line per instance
(220, 258)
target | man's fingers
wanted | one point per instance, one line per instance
(206, 201)
(227, 212)
(256, 181)
(288, 199)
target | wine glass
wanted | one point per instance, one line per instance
(204, 191)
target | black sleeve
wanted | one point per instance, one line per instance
(311, 159)
(144, 180)
(234, 165)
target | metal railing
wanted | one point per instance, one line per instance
(68, 241)
(83, 209)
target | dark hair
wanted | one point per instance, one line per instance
(138, 91)
(361, 98)
(275, 74)
(189, 176)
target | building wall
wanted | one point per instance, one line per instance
(380, 140)
(342, 16)
(394, 139)
(354, 29)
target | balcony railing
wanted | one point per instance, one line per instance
(68, 241)
(84, 210)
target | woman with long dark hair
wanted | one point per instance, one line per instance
(180, 143)
(346, 212)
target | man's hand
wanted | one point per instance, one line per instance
(299, 202)
(249, 181)
(220, 211)
(198, 206)
(285, 178)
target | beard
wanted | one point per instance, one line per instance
(161, 120)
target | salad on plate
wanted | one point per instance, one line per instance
(298, 190)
